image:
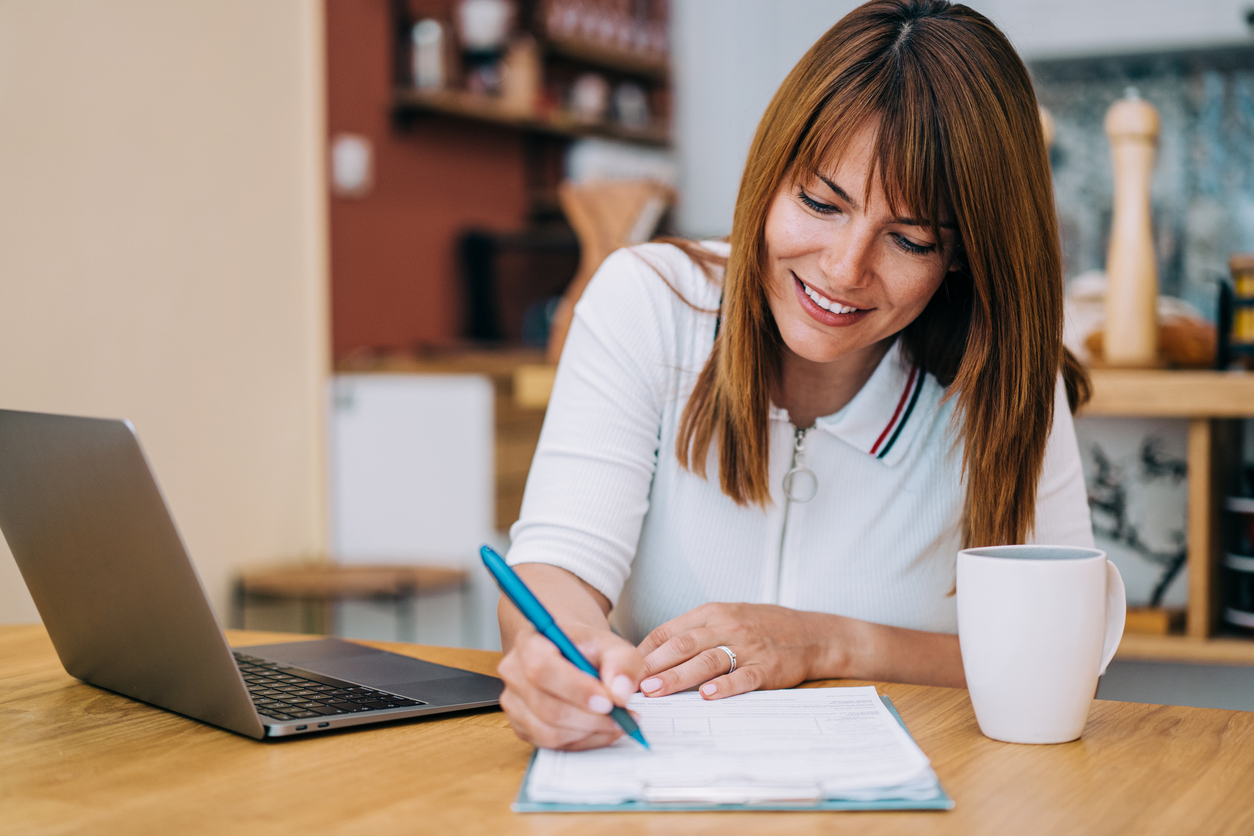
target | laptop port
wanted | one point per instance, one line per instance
(301, 728)
(323, 725)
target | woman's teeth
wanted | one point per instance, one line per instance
(825, 303)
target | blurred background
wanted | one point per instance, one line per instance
(322, 254)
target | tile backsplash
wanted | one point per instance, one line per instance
(1203, 186)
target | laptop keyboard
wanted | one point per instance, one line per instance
(278, 691)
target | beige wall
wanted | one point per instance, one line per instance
(162, 254)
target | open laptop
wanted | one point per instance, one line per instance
(92, 536)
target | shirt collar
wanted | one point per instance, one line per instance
(883, 418)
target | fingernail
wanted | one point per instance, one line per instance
(709, 689)
(650, 685)
(600, 704)
(621, 686)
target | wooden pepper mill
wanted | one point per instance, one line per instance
(1131, 333)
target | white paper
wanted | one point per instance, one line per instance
(798, 744)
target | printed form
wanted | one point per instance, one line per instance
(798, 744)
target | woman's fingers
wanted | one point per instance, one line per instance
(536, 667)
(675, 627)
(702, 667)
(740, 681)
(538, 731)
(621, 665)
(679, 648)
(560, 714)
(553, 704)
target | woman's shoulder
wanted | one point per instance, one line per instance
(664, 275)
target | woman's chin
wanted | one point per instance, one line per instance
(817, 346)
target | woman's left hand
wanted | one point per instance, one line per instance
(775, 647)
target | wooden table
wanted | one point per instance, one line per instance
(75, 759)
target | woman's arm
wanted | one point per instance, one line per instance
(777, 647)
(550, 702)
(587, 494)
(1062, 507)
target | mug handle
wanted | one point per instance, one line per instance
(1116, 614)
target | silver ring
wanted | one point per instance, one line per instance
(730, 655)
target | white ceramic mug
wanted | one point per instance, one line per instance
(1037, 625)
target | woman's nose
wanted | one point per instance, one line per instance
(847, 258)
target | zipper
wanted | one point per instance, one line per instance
(800, 485)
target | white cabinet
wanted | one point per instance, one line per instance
(411, 481)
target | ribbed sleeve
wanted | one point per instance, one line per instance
(588, 489)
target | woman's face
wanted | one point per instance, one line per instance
(845, 273)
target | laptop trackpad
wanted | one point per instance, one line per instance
(409, 677)
(383, 671)
(431, 683)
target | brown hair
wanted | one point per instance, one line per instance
(958, 136)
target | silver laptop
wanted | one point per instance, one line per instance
(84, 518)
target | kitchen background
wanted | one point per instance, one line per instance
(224, 221)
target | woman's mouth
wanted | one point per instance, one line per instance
(825, 310)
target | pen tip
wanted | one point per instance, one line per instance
(639, 738)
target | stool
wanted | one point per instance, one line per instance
(318, 587)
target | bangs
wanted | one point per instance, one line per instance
(908, 150)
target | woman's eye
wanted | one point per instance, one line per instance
(911, 247)
(821, 208)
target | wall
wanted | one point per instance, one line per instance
(162, 225)
(731, 55)
(394, 278)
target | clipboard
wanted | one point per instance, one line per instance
(740, 798)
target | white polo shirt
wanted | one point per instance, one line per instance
(607, 499)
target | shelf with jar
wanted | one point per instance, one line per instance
(560, 68)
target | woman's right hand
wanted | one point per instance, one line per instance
(554, 705)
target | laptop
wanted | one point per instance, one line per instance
(99, 551)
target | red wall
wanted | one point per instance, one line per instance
(394, 278)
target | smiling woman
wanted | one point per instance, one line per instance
(762, 456)
(845, 276)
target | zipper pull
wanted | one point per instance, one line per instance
(800, 482)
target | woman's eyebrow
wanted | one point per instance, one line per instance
(913, 222)
(840, 193)
(853, 204)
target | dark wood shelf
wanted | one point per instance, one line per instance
(605, 57)
(410, 102)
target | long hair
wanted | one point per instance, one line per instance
(958, 136)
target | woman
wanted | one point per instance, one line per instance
(761, 458)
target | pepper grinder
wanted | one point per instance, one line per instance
(1131, 338)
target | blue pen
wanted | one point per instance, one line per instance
(530, 606)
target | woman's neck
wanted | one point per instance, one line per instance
(810, 390)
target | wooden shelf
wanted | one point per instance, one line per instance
(1212, 402)
(1171, 394)
(533, 384)
(410, 102)
(1217, 650)
(495, 363)
(606, 57)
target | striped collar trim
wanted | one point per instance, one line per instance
(883, 418)
(909, 397)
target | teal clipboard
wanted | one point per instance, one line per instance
(940, 801)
